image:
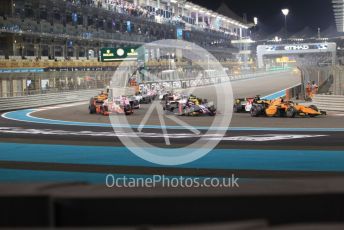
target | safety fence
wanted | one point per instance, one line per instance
(331, 86)
(329, 79)
(338, 80)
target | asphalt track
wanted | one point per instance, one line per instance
(251, 147)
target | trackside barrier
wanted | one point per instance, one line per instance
(294, 92)
(329, 102)
(31, 101)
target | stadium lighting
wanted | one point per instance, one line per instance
(174, 1)
(285, 12)
(255, 20)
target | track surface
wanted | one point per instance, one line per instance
(253, 148)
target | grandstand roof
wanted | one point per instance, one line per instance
(306, 32)
(223, 12)
(226, 11)
(280, 33)
(330, 32)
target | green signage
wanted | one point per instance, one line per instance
(118, 54)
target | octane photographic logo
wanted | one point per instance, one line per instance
(201, 141)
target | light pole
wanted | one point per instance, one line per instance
(285, 13)
(255, 20)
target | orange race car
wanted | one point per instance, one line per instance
(102, 105)
(96, 104)
(281, 108)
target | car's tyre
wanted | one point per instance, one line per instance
(290, 112)
(212, 113)
(128, 112)
(255, 111)
(236, 109)
(92, 109)
(281, 113)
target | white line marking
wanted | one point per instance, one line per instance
(146, 117)
(214, 137)
(162, 122)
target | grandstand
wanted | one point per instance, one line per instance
(54, 45)
(53, 29)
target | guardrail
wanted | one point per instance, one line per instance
(329, 102)
(31, 101)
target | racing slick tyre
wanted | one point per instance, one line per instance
(212, 111)
(92, 109)
(256, 111)
(290, 112)
(281, 113)
(236, 109)
(128, 110)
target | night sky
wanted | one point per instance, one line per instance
(311, 13)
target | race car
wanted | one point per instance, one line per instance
(189, 105)
(96, 104)
(101, 104)
(242, 105)
(191, 109)
(163, 95)
(281, 108)
(172, 101)
(134, 102)
(119, 105)
(146, 98)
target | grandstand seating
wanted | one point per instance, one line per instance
(17, 62)
(96, 24)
